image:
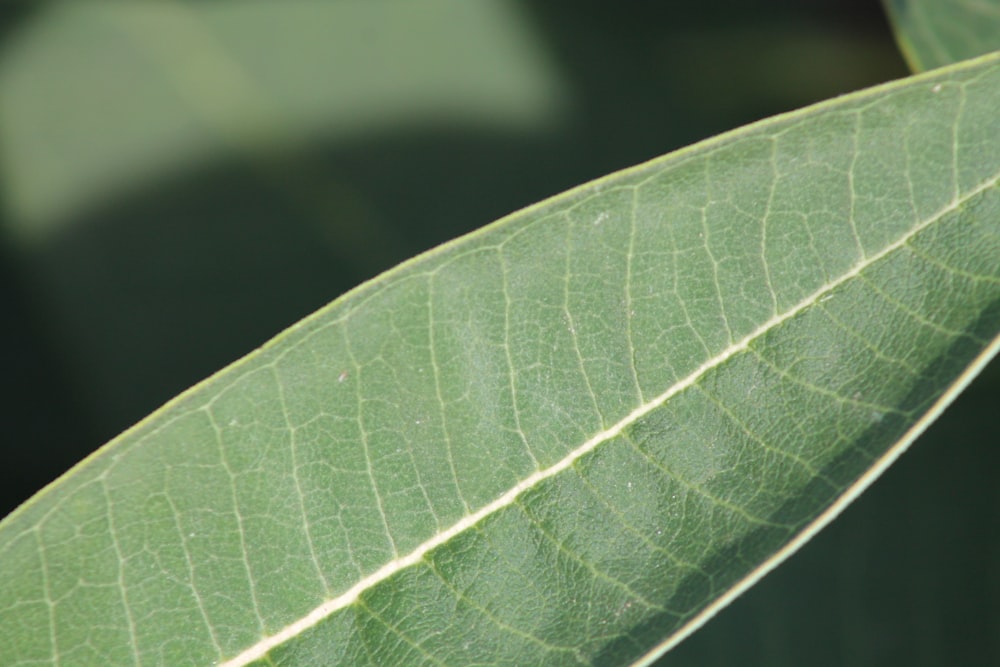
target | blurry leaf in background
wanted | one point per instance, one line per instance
(102, 97)
(933, 33)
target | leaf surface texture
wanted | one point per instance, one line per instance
(563, 439)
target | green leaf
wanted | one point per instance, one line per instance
(568, 438)
(934, 34)
(898, 578)
(217, 78)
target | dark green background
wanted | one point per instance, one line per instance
(148, 292)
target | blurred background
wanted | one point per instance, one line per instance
(180, 181)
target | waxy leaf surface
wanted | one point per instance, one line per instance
(565, 439)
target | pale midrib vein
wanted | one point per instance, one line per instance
(347, 598)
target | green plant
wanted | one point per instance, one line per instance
(569, 437)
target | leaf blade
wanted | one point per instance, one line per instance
(525, 323)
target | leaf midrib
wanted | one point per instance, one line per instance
(328, 608)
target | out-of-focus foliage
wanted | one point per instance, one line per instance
(932, 34)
